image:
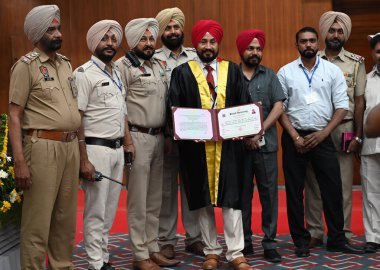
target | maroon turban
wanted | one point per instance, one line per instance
(204, 26)
(245, 38)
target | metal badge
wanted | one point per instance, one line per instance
(117, 143)
(73, 87)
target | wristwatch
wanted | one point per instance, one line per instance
(359, 140)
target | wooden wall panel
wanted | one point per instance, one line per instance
(279, 19)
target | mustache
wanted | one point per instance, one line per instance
(254, 57)
(174, 35)
(109, 48)
(148, 48)
(208, 50)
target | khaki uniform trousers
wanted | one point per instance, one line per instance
(145, 194)
(169, 208)
(313, 201)
(233, 232)
(101, 200)
(370, 171)
(49, 210)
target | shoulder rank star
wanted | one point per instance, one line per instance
(45, 73)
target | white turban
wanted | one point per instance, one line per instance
(99, 29)
(328, 18)
(136, 28)
(39, 19)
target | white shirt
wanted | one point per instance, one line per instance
(372, 97)
(312, 96)
(101, 96)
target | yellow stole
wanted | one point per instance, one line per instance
(213, 149)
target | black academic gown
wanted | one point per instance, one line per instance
(184, 92)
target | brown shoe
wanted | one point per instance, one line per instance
(314, 242)
(211, 262)
(161, 260)
(168, 251)
(240, 263)
(196, 248)
(145, 265)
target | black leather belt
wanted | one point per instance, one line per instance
(151, 131)
(117, 143)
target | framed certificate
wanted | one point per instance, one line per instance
(217, 124)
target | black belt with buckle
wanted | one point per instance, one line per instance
(150, 131)
(117, 143)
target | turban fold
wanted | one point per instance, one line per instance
(136, 28)
(328, 18)
(166, 15)
(245, 38)
(99, 29)
(39, 19)
(204, 26)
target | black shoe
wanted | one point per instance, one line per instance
(271, 255)
(302, 252)
(346, 248)
(371, 247)
(107, 266)
(248, 250)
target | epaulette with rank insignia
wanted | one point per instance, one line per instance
(85, 66)
(28, 58)
(63, 57)
(158, 51)
(190, 49)
(355, 57)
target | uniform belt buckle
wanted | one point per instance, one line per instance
(151, 131)
(68, 136)
(117, 143)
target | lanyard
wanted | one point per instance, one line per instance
(119, 85)
(309, 79)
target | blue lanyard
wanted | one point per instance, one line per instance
(309, 79)
(119, 85)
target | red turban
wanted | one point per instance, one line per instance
(204, 26)
(245, 38)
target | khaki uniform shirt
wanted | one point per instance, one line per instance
(146, 92)
(101, 96)
(170, 61)
(353, 69)
(45, 89)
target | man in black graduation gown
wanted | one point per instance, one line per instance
(212, 172)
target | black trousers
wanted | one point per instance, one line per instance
(263, 166)
(325, 164)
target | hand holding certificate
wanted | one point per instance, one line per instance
(218, 124)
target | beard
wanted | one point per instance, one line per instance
(142, 54)
(173, 41)
(104, 56)
(252, 61)
(207, 55)
(309, 53)
(334, 44)
(51, 45)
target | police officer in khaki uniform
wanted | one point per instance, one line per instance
(104, 131)
(42, 102)
(335, 28)
(146, 85)
(172, 54)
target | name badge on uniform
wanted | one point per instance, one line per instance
(312, 98)
(45, 72)
(73, 87)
